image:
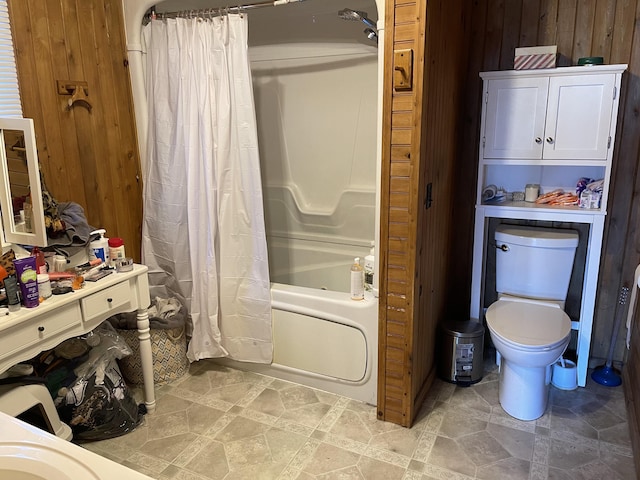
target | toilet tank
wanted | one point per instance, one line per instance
(534, 262)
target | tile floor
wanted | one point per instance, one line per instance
(220, 423)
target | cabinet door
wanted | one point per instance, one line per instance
(578, 117)
(514, 123)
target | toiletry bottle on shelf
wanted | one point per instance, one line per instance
(369, 262)
(99, 248)
(357, 280)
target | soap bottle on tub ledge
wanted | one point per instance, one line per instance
(369, 267)
(357, 280)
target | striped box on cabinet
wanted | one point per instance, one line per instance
(530, 58)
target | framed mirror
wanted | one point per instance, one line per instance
(20, 190)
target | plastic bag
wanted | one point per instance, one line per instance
(98, 405)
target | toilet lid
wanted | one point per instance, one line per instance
(528, 323)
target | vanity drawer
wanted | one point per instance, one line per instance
(107, 302)
(39, 330)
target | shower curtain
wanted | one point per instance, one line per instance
(203, 233)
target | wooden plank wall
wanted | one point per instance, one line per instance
(445, 67)
(16, 164)
(89, 157)
(419, 148)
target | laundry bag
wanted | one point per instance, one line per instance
(168, 342)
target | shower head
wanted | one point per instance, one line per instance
(356, 15)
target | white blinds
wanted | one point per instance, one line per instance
(10, 105)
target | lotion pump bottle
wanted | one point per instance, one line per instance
(99, 248)
(369, 266)
(357, 280)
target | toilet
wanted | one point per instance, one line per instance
(527, 324)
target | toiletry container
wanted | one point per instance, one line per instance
(369, 263)
(44, 285)
(27, 277)
(531, 192)
(357, 280)
(116, 251)
(99, 248)
(41, 264)
(13, 295)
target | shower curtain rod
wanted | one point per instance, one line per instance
(216, 12)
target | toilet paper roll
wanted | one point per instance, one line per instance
(489, 192)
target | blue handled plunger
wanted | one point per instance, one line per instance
(606, 375)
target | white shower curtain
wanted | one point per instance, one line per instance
(203, 232)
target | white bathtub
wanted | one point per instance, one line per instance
(322, 338)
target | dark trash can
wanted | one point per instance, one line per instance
(460, 352)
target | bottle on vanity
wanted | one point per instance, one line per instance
(116, 251)
(357, 280)
(99, 248)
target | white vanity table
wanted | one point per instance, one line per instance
(26, 333)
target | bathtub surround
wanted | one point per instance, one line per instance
(319, 169)
(203, 232)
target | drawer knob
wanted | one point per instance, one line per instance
(41, 328)
(109, 299)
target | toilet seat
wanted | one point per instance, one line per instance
(528, 325)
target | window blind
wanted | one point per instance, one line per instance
(10, 105)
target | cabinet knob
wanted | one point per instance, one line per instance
(109, 299)
(549, 140)
(41, 328)
(538, 140)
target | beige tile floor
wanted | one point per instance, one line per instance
(219, 423)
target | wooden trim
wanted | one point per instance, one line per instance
(419, 148)
(384, 211)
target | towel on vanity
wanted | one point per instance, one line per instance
(77, 235)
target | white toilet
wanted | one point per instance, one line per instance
(528, 325)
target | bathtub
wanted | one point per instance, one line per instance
(319, 175)
(321, 338)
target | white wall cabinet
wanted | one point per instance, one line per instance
(550, 127)
(548, 118)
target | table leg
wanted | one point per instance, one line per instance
(146, 358)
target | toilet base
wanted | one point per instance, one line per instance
(524, 391)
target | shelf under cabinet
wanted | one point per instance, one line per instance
(535, 209)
